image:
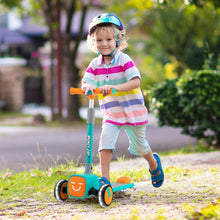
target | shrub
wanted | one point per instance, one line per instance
(191, 102)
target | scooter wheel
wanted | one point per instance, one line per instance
(60, 190)
(105, 195)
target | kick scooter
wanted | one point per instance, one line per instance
(80, 186)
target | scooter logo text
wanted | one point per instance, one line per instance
(88, 150)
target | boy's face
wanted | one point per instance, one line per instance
(105, 41)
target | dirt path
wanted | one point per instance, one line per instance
(192, 182)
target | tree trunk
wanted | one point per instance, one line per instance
(218, 140)
(71, 73)
(52, 76)
(69, 60)
(73, 102)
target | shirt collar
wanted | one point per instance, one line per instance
(113, 61)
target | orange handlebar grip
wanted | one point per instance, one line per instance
(74, 91)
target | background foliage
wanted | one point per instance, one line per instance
(183, 32)
(192, 102)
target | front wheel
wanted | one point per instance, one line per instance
(60, 190)
(105, 195)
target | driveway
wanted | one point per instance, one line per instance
(29, 147)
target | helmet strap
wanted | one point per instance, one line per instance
(109, 55)
(116, 37)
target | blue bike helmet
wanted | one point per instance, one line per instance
(105, 19)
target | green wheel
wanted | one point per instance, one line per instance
(60, 190)
(105, 195)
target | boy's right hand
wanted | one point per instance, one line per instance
(106, 89)
(86, 88)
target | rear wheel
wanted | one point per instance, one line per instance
(105, 195)
(60, 190)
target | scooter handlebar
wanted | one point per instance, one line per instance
(74, 91)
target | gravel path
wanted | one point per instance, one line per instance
(192, 182)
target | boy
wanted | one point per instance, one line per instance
(115, 69)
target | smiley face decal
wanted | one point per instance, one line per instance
(77, 186)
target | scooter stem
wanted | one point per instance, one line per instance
(90, 128)
(90, 123)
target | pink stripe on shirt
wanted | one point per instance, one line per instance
(132, 114)
(110, 70)
(128, 65)
(126, 123)
(90, 70)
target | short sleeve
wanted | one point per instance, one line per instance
(89, 76)
(130, 68)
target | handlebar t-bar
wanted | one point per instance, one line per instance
(96, 91)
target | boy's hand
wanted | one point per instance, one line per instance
(86, 88)
(105, 90)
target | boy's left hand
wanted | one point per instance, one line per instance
(105, 90)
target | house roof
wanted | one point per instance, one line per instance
(12, 37)
(31, 29)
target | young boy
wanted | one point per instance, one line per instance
(115, 69)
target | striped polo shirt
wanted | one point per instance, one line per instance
(123, 108)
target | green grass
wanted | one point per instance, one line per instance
(5, 115)
(66, 123)
(198, 148)
(211, 211)
(38, 184)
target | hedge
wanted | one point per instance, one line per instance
(191, 102)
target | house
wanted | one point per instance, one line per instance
(24, 41)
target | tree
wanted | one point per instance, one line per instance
(176, 26)
(50, 12)
(201, 3)
(10, 3)
(69, 55)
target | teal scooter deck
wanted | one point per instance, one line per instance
(121, 186)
